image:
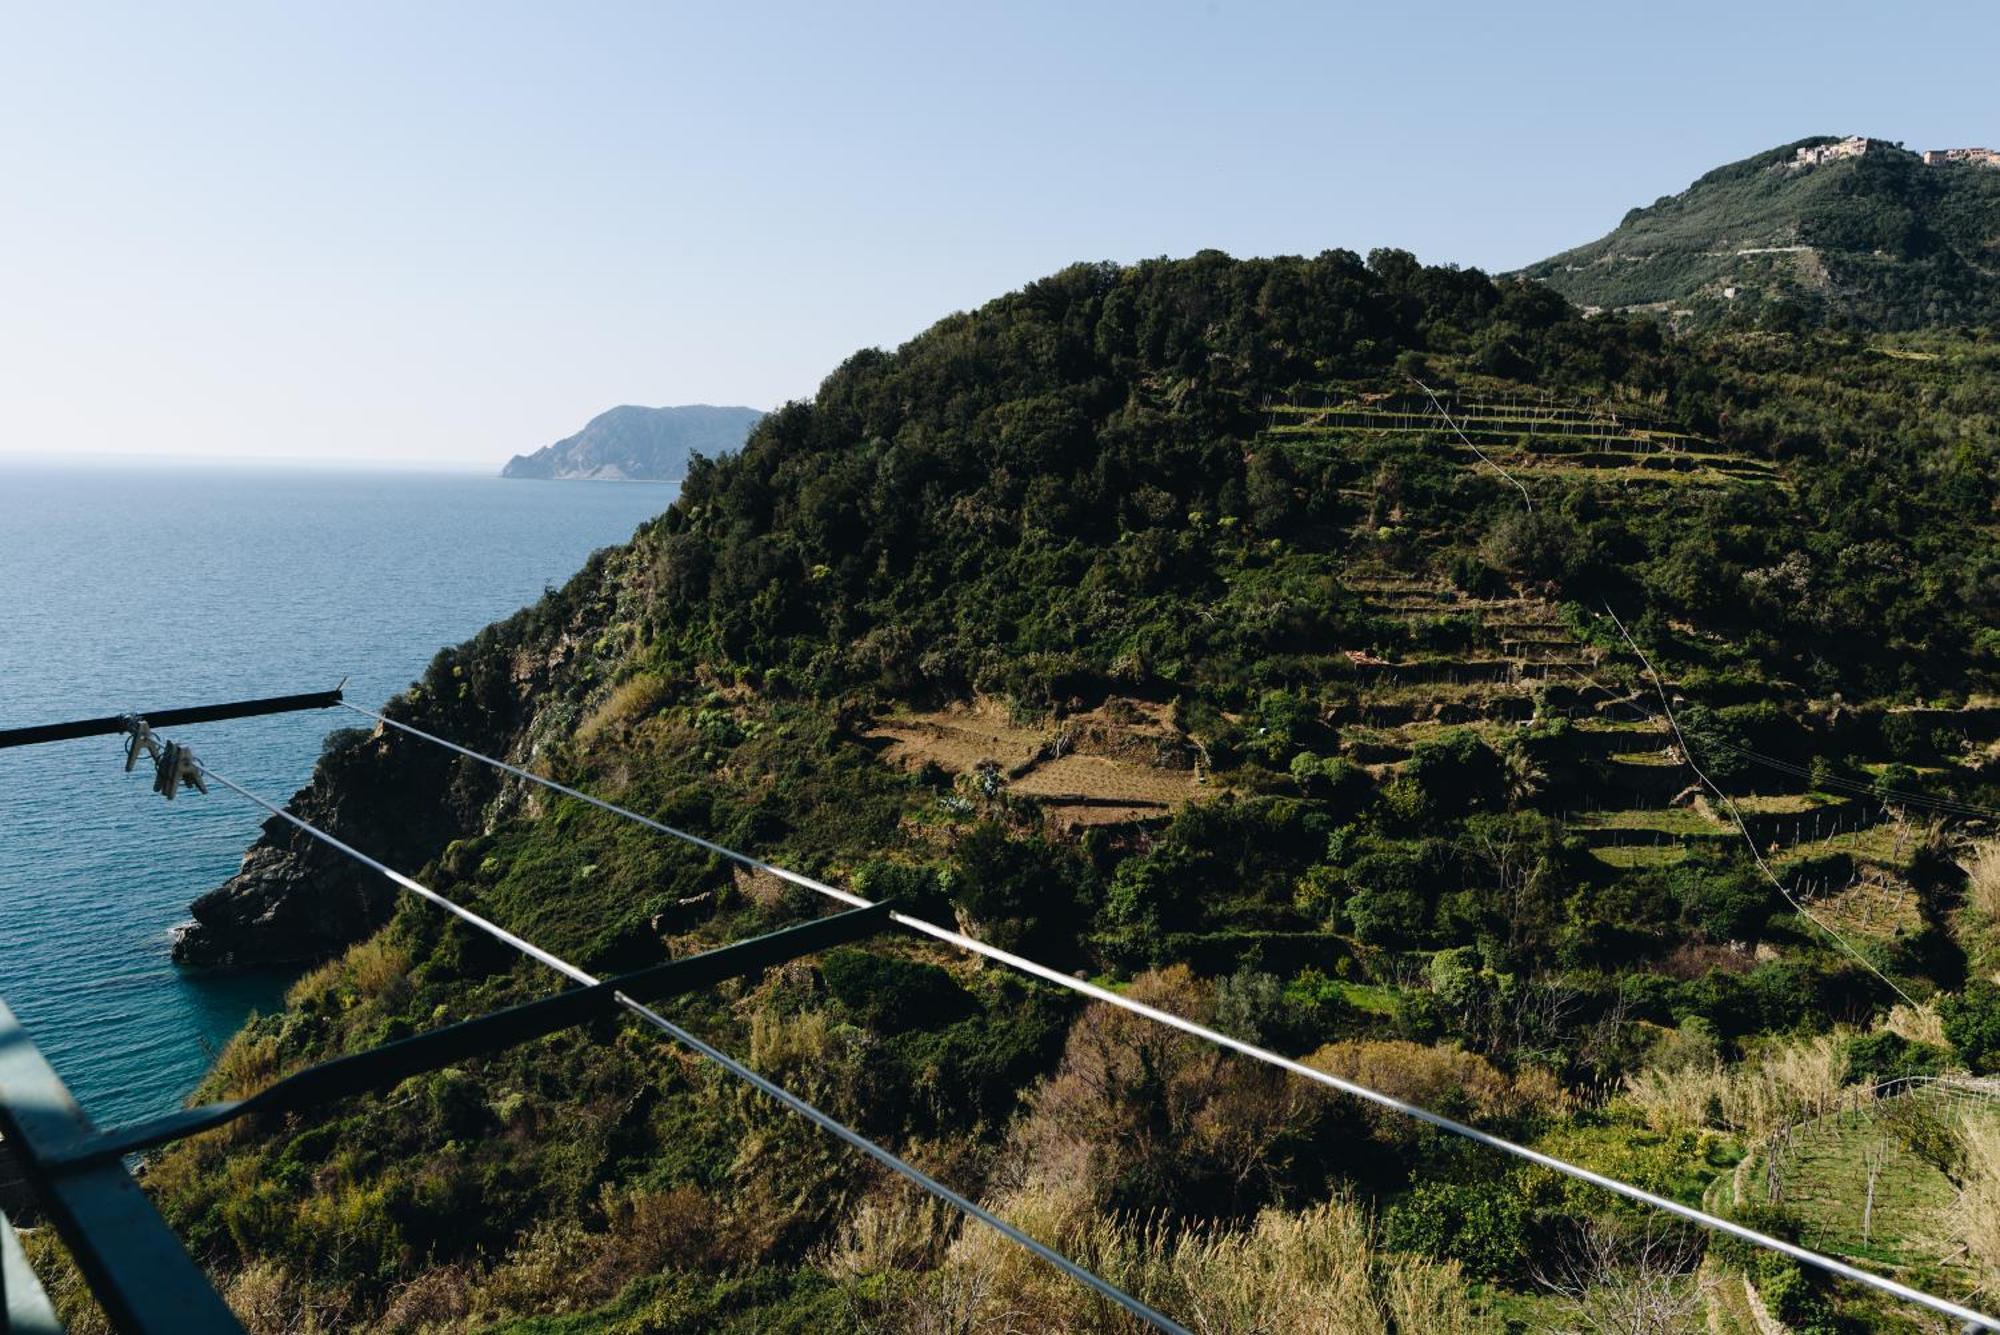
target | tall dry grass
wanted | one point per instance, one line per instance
(1917, 1024)
(1784, 1083)
(900, 1228)
(1982, 885)
(636, 698)
(75, 1308)
(1314, 1270)
(1789, 1081)
(1678, 1099)
(1977, 1214)
(1440, 1077)
(269, 1299)
(371, 969)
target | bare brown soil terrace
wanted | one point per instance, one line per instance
(1122, 763)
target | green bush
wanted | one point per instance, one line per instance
(890, 994)
(1484, 1226)
(1972, 1023)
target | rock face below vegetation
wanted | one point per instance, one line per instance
(397, 798)
(402, 800)
(296, 900)
(287, 906)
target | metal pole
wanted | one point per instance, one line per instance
(110, 724)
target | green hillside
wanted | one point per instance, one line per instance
(1152, 622)
(1881, 240)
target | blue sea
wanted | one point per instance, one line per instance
(144, 587)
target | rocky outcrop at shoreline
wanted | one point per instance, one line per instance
(396, 798)
(296, 900)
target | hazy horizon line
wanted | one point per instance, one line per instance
(90, 460)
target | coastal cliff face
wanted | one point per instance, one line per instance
(297, 901)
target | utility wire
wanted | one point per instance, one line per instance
(1948, 806)
(1526, 499)
(1687, 754)
(1973, 1320)
(730, 1064)
(1639, 715)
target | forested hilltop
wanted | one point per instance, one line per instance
(1237, 633)
(1879, 239)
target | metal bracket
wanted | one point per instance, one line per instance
(140, 742)
(135, 1265)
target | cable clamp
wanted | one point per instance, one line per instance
(140, 738)
(176, 768)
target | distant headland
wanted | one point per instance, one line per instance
(632, 444)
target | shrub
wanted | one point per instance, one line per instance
(1024, 893)
(1482, 1226)
(1873, 1058)
(1972, 1023)
(1728, 903)
(1443, 1079)
(1473, 576)
(890, 994)
(1458, 772)
(1389, 906)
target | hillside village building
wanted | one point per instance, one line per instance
(1853, 146)
(1975, 157)
(1859, 145)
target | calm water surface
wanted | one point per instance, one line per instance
(151, 587)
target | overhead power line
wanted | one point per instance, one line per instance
(1526, 499)
(1897, 796)
(1972, 1320)
(1687, 754)
(1946, 805)
(726, 1062)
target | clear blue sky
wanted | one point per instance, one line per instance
(451, 232)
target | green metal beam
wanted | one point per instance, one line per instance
(390, 1063)
(142, 1276)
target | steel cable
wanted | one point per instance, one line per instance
(1715, 1223)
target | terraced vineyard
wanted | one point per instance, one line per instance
(1867, 1179)
(1541, 436)
(1626, 790)
(1638, 804)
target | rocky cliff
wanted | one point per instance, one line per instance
(631, 444)
(402, 800)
